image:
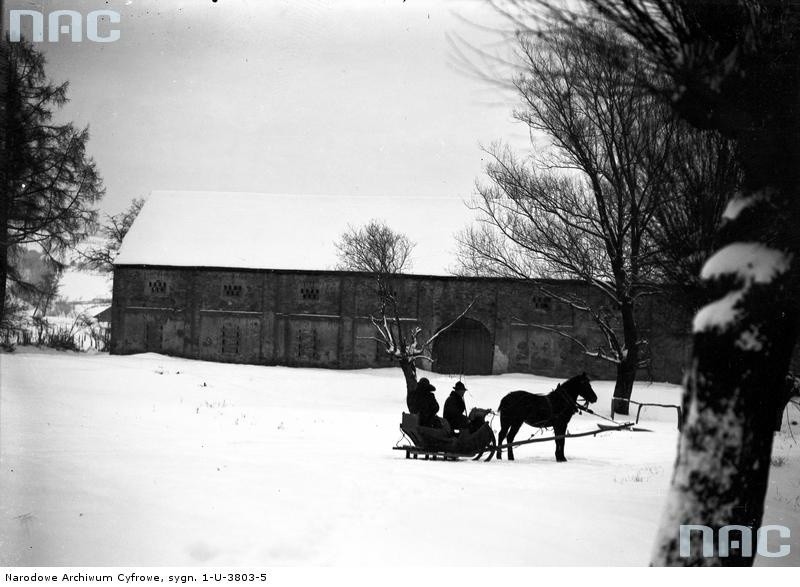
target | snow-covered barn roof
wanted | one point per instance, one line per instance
(280, 231)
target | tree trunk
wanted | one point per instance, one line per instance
(3, 278)
(732, 394)
(410, 374)
(730, 404)
(4, 171)
(626, 369)
(743, 341)
(623, 388)
(4, 245)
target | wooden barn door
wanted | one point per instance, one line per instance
(154, 334)
(465, 348)
(230, 338)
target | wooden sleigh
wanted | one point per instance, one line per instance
(441, 443)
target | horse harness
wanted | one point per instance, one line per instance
(572, 406)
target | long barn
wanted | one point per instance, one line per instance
(249, 278)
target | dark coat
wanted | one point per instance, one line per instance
(423, 403)
(428, 406)
(455, 412)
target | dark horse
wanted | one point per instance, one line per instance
(553, 410)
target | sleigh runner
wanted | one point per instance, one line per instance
(441, 443)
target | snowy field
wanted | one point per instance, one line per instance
(151, 460)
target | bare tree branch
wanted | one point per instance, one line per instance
(592, 223)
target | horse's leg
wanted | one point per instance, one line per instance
(511, 434)
(500, 437)
(560, 429)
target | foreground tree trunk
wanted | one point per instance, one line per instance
(743, 341)
(4, 164)
(742, 348)
(3, 276)
(731, 401)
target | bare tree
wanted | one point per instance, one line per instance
(730, 66)
(688, 220)
(384, 253)
(113, 231)
(374, 248)
(583, 209)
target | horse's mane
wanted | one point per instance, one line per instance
(569, 384)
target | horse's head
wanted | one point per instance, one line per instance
(584, 387)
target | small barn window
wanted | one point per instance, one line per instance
(231, 339)
(230, 290)
(309, 293)
(541, 303)
(158, 287)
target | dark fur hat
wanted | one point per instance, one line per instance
(425, 385)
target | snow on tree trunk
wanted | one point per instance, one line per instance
(733, 392)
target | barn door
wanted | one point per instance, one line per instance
(464, 348)
(154, 334)
(230, 338)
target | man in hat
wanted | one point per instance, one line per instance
(455, 409)
(425, 404)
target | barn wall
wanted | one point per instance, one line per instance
(321, 319)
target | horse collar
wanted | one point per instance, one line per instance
(576, 407)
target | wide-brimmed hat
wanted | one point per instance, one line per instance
(459, 386)
(425, 385)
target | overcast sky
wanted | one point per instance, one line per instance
(301, 96)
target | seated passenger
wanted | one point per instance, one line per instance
(455, 409)
(425, 404)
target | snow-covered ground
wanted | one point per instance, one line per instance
(151, 460)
